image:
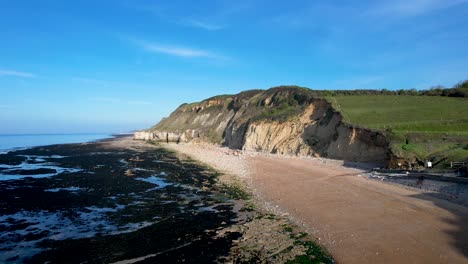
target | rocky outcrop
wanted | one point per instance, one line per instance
(280, 120)
(143, 135)
(167, 137)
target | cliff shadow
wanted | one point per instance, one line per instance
(366, 166)
(459, 224)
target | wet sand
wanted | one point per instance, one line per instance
(112, 201)
(126, 201)
(359, 220)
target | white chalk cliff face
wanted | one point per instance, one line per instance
(279, 120)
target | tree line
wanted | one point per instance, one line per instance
(459, 90)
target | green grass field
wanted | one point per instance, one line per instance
(428, 127)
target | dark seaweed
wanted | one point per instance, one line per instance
(184, 214)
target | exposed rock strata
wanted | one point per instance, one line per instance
(279, 120)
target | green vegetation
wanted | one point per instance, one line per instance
(459, 90)
(236, 192)
(279, 104)
(424, 127)
(288, 229)
(421, 124)
(214, 136)
(427, 105)
(405, 113)
(314, 253)
(281, 113)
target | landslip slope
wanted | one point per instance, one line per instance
(284, 120)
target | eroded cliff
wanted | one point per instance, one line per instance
(285, 120)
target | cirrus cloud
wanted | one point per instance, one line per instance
(178, 51)
(4, 72)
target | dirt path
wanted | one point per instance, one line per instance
(358, 220)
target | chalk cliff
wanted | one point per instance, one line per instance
(285, 120)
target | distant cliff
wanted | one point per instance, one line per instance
(285, 120)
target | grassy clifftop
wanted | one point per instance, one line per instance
(424, 127)
(420, 125)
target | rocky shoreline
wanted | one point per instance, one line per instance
(126, 201)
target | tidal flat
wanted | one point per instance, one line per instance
(98, 203)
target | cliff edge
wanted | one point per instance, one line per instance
(284, 120)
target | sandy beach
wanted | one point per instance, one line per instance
(359, 220)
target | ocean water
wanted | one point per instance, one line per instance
(11, 142)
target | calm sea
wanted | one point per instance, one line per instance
(9, 142)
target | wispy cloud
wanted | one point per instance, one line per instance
(178, 51)
(13, 73)
(220, 11)
(201, 25)
(414, 7)
(175, 50)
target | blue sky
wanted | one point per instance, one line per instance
(115, 66)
